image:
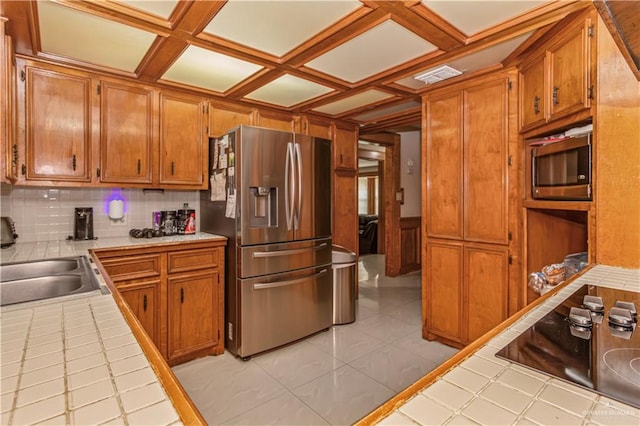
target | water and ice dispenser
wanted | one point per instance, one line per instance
(264, 202)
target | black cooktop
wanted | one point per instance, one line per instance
(589, 340)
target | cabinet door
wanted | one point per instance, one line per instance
(569, 71)
(317, 128)
(276, 121)
(144, 300)
(444, 296)
(486, 288)
(8, 123)
(345, 149)
(183, 151)
(533, 98)
(224, 117)
(443, 160)
(58, 129)
(192, 313)
(485, 162)
(126, 134)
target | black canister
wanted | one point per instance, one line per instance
(186, 221)
(168, 222)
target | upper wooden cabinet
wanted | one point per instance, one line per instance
(278, 121)
(8, 108)
(316, 127)
(444, 165)
(345, 148)
(58, 126)
(556, 82)
(224, 117)
(183, 147)
(126, 133)
(466, 158)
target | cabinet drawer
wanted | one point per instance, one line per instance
(132, 267)
(189, 260)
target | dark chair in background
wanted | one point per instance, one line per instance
(368, 233)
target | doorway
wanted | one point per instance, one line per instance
(385, 149)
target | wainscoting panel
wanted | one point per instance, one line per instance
(410, 244)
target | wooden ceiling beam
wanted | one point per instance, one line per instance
(428, 26)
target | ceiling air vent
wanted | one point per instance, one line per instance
(437, 74)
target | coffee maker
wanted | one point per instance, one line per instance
(83, 224)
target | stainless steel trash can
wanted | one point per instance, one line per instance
(344, 285)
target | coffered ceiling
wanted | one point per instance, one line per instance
(342, 59)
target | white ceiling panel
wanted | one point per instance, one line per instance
(161, 8)
(276, 27)
(352, 102)
(288, 90)
(374, 51)
(472, 16)
(388, 111)
(211, 70)
(91, 39)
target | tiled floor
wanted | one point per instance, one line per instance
(333, 377)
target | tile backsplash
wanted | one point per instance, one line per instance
(46, 214)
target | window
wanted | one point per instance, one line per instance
(368, 195)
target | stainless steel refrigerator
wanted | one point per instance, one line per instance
(270, 194)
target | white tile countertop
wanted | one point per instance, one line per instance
(74, 359)
(484, 389)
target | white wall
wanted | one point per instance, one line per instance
(410, 176)
(46, 214)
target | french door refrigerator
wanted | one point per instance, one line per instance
(270, 194)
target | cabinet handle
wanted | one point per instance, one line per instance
(341, 161)
(536, 108)
(15, 155)
(555, 95)
(74, 162)
(182, 295)
(144, 303)
(98, 172)
(173, 168)
(139, 166)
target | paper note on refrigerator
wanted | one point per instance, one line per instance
(231, 204)
(218, 186)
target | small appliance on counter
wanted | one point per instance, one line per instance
(83, 224)
(9, 235)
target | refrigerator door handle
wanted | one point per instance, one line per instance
(263, 286)
(299, 164)
(287, 252)
(289, 185)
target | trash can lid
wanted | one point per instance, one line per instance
(340, 254)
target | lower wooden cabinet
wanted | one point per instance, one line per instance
(193, 308)
(466, 292)
(144, 300)
(176, 293)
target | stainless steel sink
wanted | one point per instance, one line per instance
(44, 279)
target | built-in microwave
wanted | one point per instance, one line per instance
(561, 170)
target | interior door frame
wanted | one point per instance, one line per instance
(390, 178)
